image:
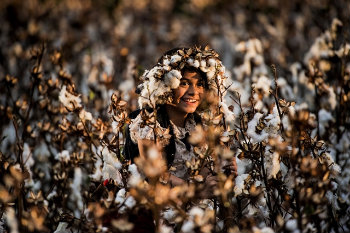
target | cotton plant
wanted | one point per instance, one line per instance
(291, 153)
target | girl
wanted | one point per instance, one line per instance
(171, 99)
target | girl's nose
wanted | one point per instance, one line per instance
(192, 90)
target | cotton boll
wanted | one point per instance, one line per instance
(239, 184)
(251, 129)
(174, 59)
(332, 99)
(263, 83)
(259, 105)
(242, 165)
(76, 189)
(196, 211)
(120, 197)
(165, 229)
(292, 225)
(68, 100)
(169, 214)
(190, 61)
(64, 156)
(324, 117)
(11, 219)
(333, 200)
(62, 228)
(258, 60)
(115, 127)
(171, 81)
(263, 230)
(273, 121)
(130, 202)
(196, 63)
(126, 86)
(203, 64)
(344, 142)
(286, 90)
(166, 62)
(85, 116)
(212, 62)
(229, 116)
(188, 226)
(135, 177)
(274, 166)
(98, 171)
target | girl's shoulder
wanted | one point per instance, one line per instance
(139, 129)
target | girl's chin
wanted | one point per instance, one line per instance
(188, 108)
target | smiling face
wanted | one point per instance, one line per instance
(189, 94)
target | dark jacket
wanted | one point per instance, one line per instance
(131, 150)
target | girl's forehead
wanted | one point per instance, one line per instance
(192, 75)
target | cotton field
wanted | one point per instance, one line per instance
(69, 73)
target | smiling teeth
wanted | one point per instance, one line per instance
(190, 100)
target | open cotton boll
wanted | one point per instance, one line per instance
(84, 115)
(68, 100)
(273, 122)
(344, 142)
(229, 115)
(64, 155)
(166, 62)
(76, 188)
(172, 79)
(263, 83)
(135, 177)
(292, 224)
(251, 129)
(130, 202)
(263, 230)
(211, 62)
(175, 58)
(203, 64)
(272, 164)
(111, 166)
(120, 197)
(165, 229)
(11, 219)
(196, 63)
(324, 117)
(188, 226)
(239, 184)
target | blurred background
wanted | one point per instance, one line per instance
(125, 37)
(97, 47)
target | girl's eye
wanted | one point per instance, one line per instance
(183, 83)
(200, 84)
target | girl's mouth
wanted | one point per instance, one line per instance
(189, 100)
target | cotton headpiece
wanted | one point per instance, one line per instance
(157, 83)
